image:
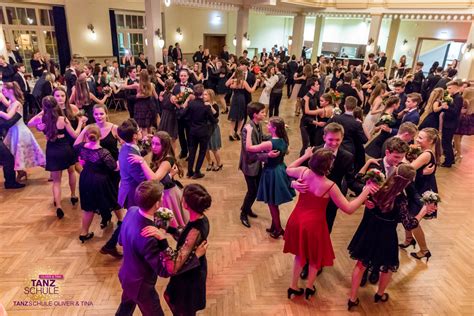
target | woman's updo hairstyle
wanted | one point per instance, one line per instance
(92, 133)
(321, 161)
(197, 197)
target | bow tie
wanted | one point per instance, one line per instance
(183, 85)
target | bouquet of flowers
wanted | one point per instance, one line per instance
(375, 176)
(107, 90)
(162, 217)
(336, 96)
(430, 197)
(413, 152)
(183, 96)
(386, 119)
(447, 98)
(337, 111)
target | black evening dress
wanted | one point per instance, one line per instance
(169, 120)
(186, 292)
(145, 111)
(238, 106)
(59, 152)
(96, 188)
(375, 242)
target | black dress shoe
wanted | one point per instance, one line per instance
(319, 271)
(197, 175)
(304, 272)
(244, 220)
(363, 281)
(252, 214)
(189, 175)
(14, 185)
(374, 276)
(182, 156)
(111, 251)
(445, 165)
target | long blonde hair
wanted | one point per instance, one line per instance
(468, 96)
(145, 84)
(377, 92)
(435, 96)
(212, 96)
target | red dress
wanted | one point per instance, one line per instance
(307, 234)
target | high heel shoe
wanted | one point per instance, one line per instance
(218, 168)
(21, 176)
(59, 213)
(294, 292)
(210, 166)
(237, 136)
(426, 255)
(231, 138)
(277, 234)
(381, 298)
(411, 243)
(83, 238)
(308, 293)
(351, 304)
(104, 224)
(74, 200)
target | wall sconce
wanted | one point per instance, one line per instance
(290, 40)
(234, 41)
(466, 50)
(179, 34)
(167, 3)
(93, 34)
(405, 42)
(161, 42)
(247, 39)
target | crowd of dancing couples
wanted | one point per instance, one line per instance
(132, 168)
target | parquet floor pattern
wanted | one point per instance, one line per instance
(248, 273)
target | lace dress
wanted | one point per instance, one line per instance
(97, 189)
(375, 243)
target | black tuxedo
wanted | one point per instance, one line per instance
(418, 81)
(183, 128)
(6, 158)
(354, 135)
(24, 86)
(430, 84)
(177, 54)
(225, 55)
(442, 82)
(197, 57)
(142, 64)
(347, 90)
(7, 72)
(381, 61)
(251, 81)
(18, 58)
(450, 124)
(70, 78)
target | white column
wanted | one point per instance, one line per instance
(3, 48)
(318, 38)
(298, 35)
(242, 28)
(466, 66)
(375, 25)
(153, 23)
(392, 43)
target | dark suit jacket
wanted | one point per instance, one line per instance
(418, 81)
(200, 118)
(381, 61)
(453, 113)
(413, 116)
(353, 132)
(7, 72)
(175, 54)
(442, 83)
(131, 175)
(348, 91)
(18, 58)
(6, 157)
(225, 55)
(251, 81)
(25, 88)
(430, 84)
(70, 78)
(292, 69)
(6, 124)
(251, 163)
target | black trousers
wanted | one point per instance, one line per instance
(194, 142)
(131, 106)
(147, 300)
(447, 143)
(274, 105)
(8, 162)
(183, 134)
(113, 241)
(251, 195)
(289, 88)
(307, 137)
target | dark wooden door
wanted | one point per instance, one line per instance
(214, 43)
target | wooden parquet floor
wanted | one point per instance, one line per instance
(248, 273)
